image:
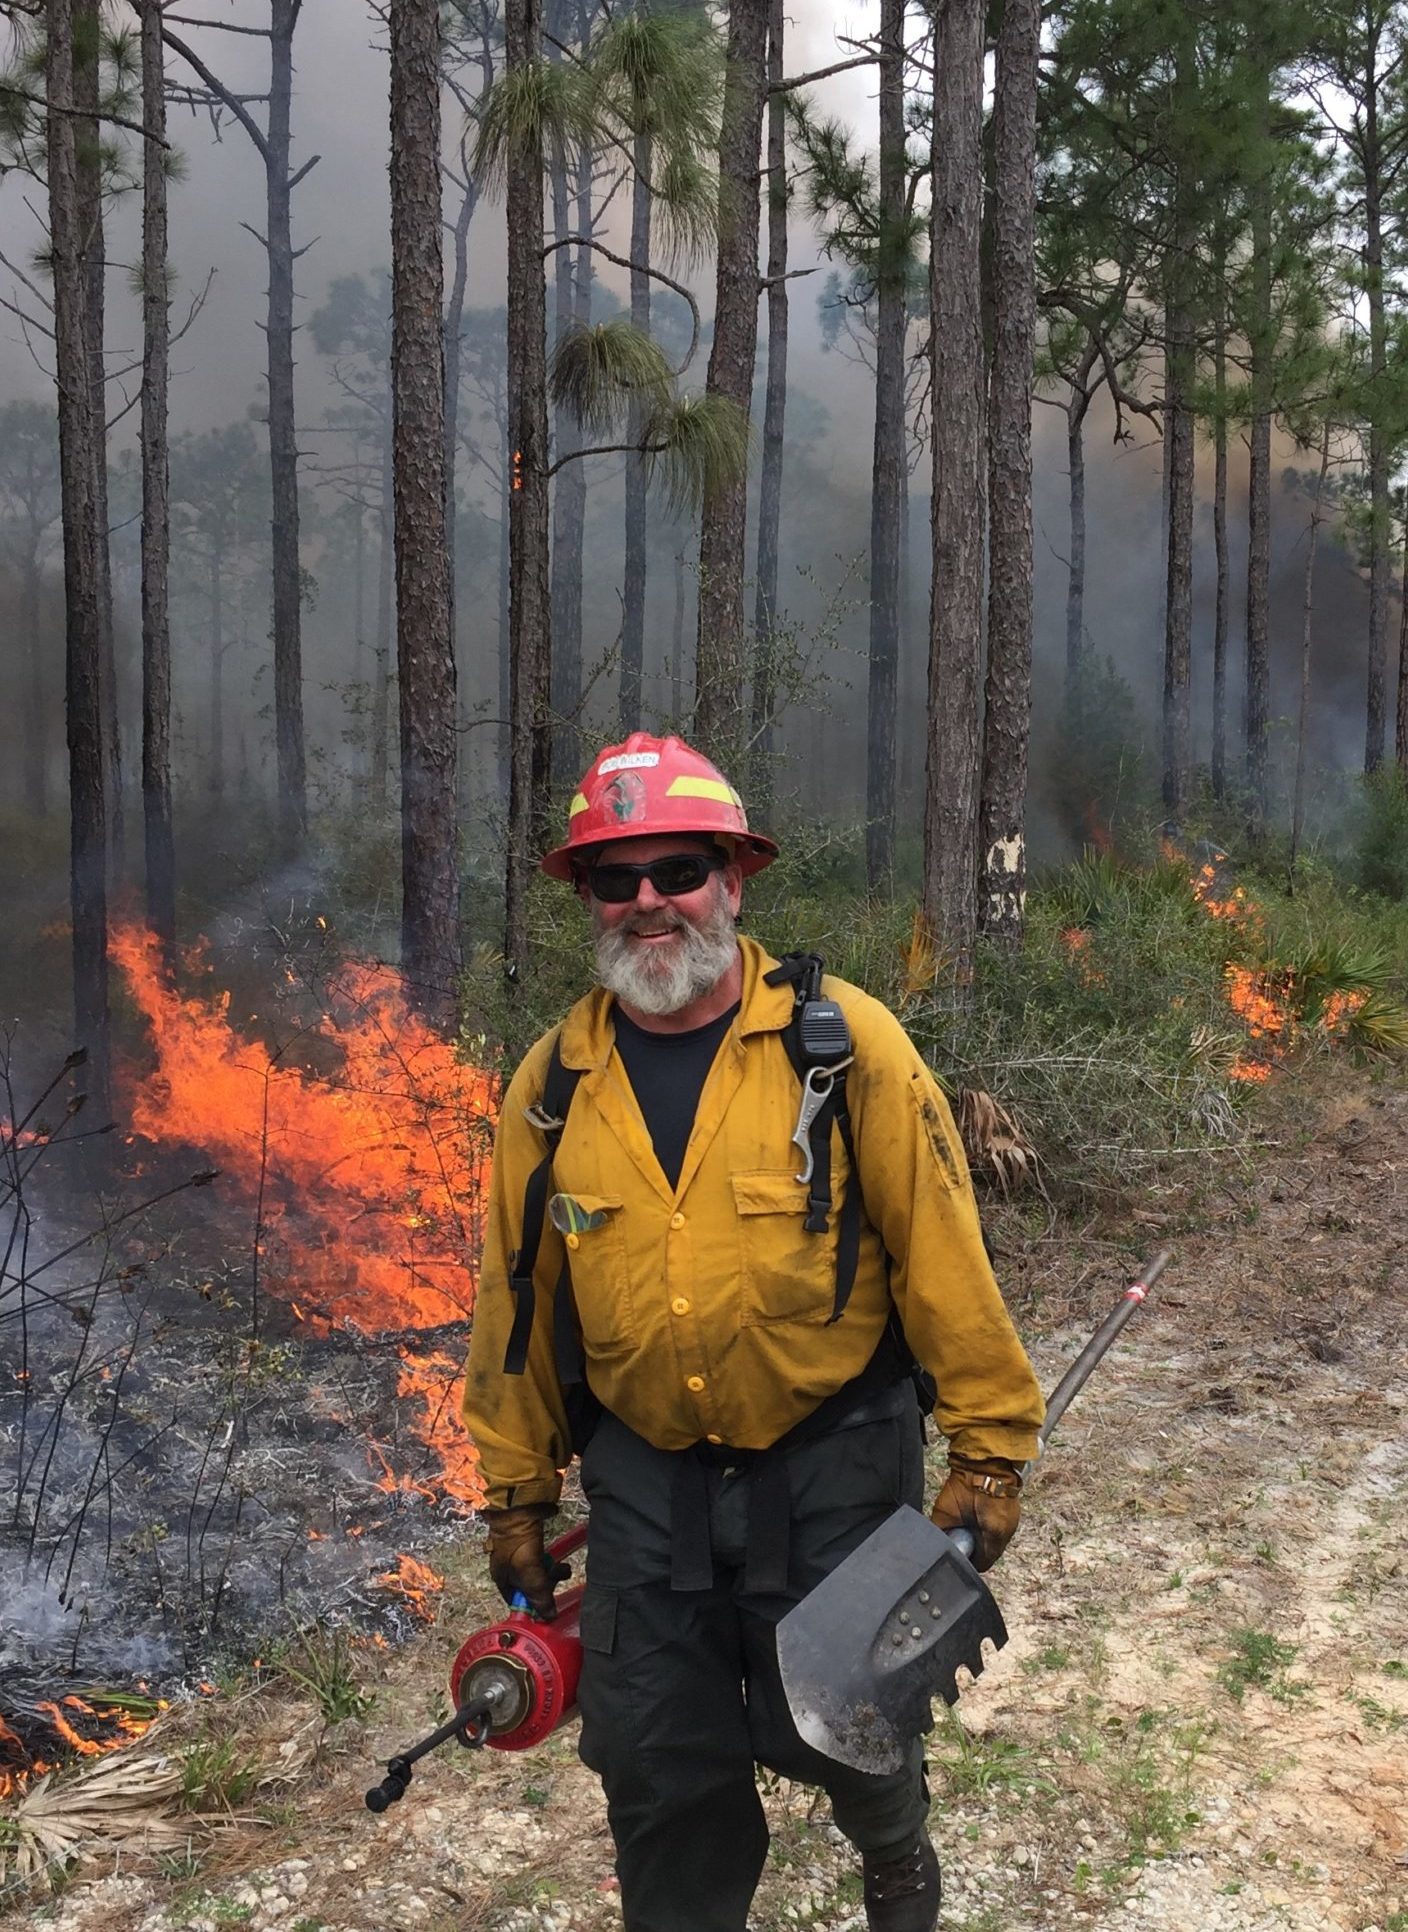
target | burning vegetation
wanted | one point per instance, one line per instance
(366, 1174)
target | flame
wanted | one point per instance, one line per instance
(84, 1731)
(370, 1181)
(1076, 940)
(416, 1584)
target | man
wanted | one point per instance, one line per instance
(749, 1339)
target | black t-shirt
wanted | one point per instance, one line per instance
(667, 1072)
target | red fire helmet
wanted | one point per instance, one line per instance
(649, 787)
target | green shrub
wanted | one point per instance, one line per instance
(1381, 833)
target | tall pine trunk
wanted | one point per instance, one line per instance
(217, 671)
(956, 605)
(530, 621)
(156, 517)
(569, 497)
(283, 438)
(1307, 615)
(1260, 349)
(1219, 539)
(1180, 363)
(87, 30)
(1401, 718)
(637, 509)
(385, 625)
(762, 735)
(79, 434)
(719, 656)
(1007, 715)
(887, 471)
(1379, 517)
(425, 645)
(1077, 409)
(36, 691)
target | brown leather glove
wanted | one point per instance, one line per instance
(518, 1562)
(985, 1498)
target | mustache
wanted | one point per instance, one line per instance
(653, 922)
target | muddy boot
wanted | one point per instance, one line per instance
(902, 1894)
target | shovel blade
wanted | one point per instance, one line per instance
(864, 1655)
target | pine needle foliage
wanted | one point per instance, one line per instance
(599, 369)
(661, 75)
(697, 444)
(543, 105)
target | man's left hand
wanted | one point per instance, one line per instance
(985, 1498)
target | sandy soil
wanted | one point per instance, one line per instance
(1201, 1720)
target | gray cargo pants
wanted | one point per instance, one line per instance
(680, 1694)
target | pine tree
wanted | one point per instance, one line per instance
(430, 892)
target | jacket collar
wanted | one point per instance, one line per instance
(588, 1032)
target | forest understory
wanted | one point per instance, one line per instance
(1200, 1721)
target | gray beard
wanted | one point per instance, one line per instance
(658, 983)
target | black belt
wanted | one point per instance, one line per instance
(770, 1489)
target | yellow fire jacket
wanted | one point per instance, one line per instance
(704, 1309)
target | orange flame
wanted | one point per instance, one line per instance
(371, 1182)
(416, 1584)
(86, 1732)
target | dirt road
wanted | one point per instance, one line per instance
(1201, 1721)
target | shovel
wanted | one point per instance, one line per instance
(866, 1652)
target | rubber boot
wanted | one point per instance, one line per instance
(902, 1894)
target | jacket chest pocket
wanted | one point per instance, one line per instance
(594, 1235)
(787, 1275)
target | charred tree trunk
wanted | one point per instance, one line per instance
(637, 511)
(763, 733)
(1007, 714)
(156, 507)
(530, 619)
(887, 486)
(79, 435)
(87, 34)
(1307, 615)
(430, 889)
(723, 527)
(956, 607)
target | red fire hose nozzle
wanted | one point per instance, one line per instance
(513, 1684)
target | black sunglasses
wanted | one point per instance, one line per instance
(681, 872)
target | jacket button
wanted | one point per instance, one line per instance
(676, 1220)
(574, 1240)
(713, 1438)
(694, 1383)
(679, 1306)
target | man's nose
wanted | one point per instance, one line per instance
(647, 898)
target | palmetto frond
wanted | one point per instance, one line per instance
(600, 368)
(696, 445)
(544, 105)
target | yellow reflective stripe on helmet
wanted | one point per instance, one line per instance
(704, 788)
(579, 804)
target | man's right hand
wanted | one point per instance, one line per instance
(518, 1562)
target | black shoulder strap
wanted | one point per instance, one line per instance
(549, 1116)
(803, 972)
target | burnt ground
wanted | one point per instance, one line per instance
(1201, 1720)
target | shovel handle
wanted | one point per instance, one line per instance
(962, 1541)
(1077, 1375)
